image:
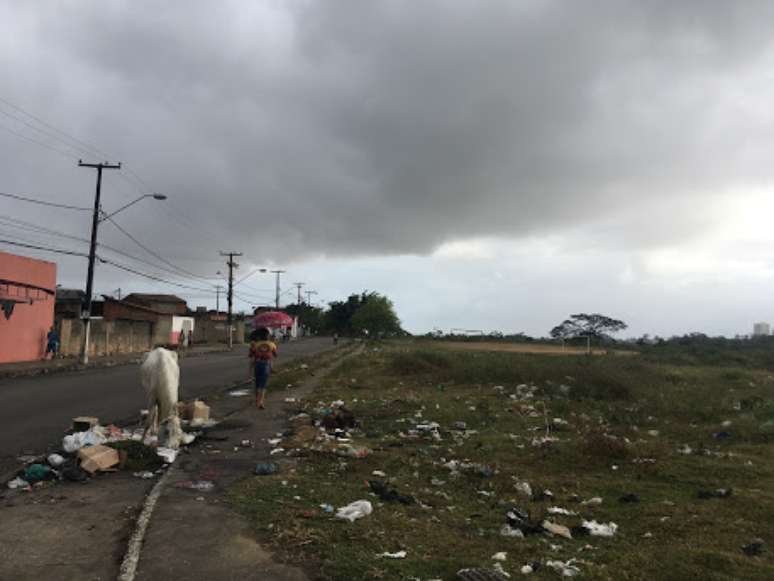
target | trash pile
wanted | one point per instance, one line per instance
(92, 448)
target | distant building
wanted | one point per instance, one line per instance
(69, 303)
(27, 289)
(760, 329)
(171, 304)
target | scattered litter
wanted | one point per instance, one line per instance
(239, 392)
(98, 457)
(629, 498)
(540, 496)
(246, 443)
(460, 426)
(167, 454)
(17, 483)
(557, 529)
(355, 510)
(74, 442)
(266, 468)
(521, 520)
(187, 438)
(327, 508)
(276, 451)
(723, 435)
(685, 449)
(564, 568)
(55, 460)
(72, 472)
(718, 493)
(290, 400)
(600, 529)
(593, 501)
(380, 488)
(201, 485)
(398, 555)
(523, 488)
(559, 510)
(37, 472)
(479, 574)
(274, 441)
(530, 568)
(84, 423)
(501, 556)
(754, 548)
(653, 433)
(378, 473)
(144, 474)
(508, 531)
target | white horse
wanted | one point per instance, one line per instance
(160, 377)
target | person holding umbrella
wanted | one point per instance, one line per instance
(262, 354)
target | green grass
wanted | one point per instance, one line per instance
(610, 405)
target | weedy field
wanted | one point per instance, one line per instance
(494, 460)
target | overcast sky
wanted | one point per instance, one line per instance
(487, 165)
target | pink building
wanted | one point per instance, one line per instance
(27, 296)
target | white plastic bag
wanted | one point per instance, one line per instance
(355, 510)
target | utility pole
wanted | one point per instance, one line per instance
(298, 286)
(309, 294)
(86, 309)
(277, 291)
(218, 288)
(231, 266)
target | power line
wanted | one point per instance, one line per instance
(153, 277)
(156, 255)
(44, 248)
(29, 226)
(66, 154)
(44, 202)
(93, 148)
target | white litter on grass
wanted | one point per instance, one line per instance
(557, 529)
(527, 569)
(653, 433)
(501, 556)
(398, 555)
(508, 531)
(600, 529)
(593, 501)
(355, 510)
(274, 441)
(564, 568)
(499, 568)
(239, 393)
(188, 438)
(55, 460)
(559, 510)
(290, 400)
(523, 488)
(276, 451)
(378, 473)
(74, 442)
(685, 449)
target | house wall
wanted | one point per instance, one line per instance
(23, 335)
(106, 337)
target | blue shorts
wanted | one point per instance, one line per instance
(262, 372)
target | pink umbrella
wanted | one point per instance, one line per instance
(273, 319)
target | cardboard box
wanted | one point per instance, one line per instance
(94, 458)
(194, 411)
(84, 423)
(200, 411)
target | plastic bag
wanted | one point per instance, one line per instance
(355, 510)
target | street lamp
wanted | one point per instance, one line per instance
(154, 195)
(86, 314)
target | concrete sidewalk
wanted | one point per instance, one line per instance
(28, 368)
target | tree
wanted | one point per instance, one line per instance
(376, 317)
(592, 326)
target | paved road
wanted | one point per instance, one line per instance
(35, 411)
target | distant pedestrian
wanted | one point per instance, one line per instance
(335, 338)
(190, 337)
(262, 354)
(182, 340)
(52, 343)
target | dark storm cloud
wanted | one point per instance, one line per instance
(301, 128)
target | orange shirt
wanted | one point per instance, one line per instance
(263, 350)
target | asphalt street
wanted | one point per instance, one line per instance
(36, 411)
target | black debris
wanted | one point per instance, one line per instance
(380, 488)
